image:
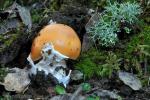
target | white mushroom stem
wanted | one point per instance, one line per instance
(51, 61)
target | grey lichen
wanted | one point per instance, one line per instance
(106, 28)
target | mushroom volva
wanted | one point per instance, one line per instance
(54, 44)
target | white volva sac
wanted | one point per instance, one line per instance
(51, 60)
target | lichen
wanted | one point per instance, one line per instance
(105, 31)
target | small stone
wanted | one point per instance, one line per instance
(130, 80)
(17, 81)
(76, 75)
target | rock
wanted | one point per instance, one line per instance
(106, 94)
(76, 75)
(87, 42)
(86, 45)
(18, 80)
(24, 15)
(130, 80)
(67, 97)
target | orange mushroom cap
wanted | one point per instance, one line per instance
(63, 38)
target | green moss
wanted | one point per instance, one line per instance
(37, 15)
(136, 54)
(3, 73)
(147, 19)
(9, 38)
(97, 63)
(138, 49)
(87, 67)
(54, 5)
(97, 3)
(6, 96)
(5, 3)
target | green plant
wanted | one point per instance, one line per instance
(111, 65)
(87, 66)
(137, 50)
(60, 90)
(97, 63)
(5, 3)
(6, 96)
(105, 30)
(86, 87)
(3, 73)
(97, 3)
(93, 98)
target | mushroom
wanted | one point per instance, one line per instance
(54, 44)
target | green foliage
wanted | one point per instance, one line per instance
(97, 3)
(111, 64)
(87, 67)
(144, 80)
(37, 15)
(6, 96)
(54, 5)
(86, 87)
(5, 3)
(105, 30)
(97, 63)
(3, 73)
(93, 98)
(8, 39)
(138, 49)
(59, 89)
(139, 43)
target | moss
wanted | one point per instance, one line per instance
(6, 96)
(8, 42)
(3, 73)
(5, 3)
(136, 54)
(97, 63)
(147, 19)
(144, 80)
(87, 66)
(55, 5)
(9, 38)
(97, 3)
(138, 48)
(37, 15)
